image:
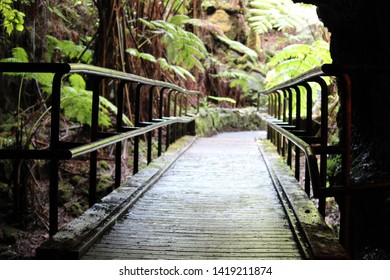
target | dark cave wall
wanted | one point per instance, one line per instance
(360, 35)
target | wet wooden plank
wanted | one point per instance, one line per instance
(216, 202)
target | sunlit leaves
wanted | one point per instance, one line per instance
(296, 59)
(12, 18)
(265, 15)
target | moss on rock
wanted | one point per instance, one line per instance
(215, 120)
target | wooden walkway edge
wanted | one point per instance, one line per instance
(222, 199)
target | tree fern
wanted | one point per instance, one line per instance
(293, 61)
(183, 48)
(238, 47)
(265, 15)
(178, 70)
(239, 78)
(162, 62)
(296, 59)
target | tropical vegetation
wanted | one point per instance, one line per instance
(226, 49)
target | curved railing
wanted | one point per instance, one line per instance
(168, 117)
(288, 130)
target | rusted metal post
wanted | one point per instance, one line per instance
(290, 122)
(324, 139)
(150, 119)
(119, 129)
(160, 116)
(54, 145)
(298, 119)
(137, 123)
(168, 114)
(94, 137)
(309, 108)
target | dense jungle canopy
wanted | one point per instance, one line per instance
(227, 49)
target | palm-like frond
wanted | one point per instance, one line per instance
(183, 48)
(296, 59)
(76, 102)
(265, 15)
(238, 47)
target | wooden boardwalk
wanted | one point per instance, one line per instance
(216, 202)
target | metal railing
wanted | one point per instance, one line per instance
(171, 105)
(293, 134)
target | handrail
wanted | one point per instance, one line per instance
(81, 150)
(60, 150)
(27, 67)
(285, 131)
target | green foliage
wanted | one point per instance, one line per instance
(18, 55)
(178, 70)
(76, 101)
(144, 56)
(183, 48)
(176, 6)
(69, 50)
(238, 47)
(296, 59)
(222, 99)
(12, 18)
(44, 79)
(238, 78)
(265, 15)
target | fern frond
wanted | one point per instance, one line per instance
(144, 56)
(179, 19)
(180, 71)
(296, 59)
(238, 47)
(20, 54)
(265, 15)
(69, 49)
(76, 103)
(222, 99)
(183, 48)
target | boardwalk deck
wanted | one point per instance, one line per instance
(217, 201)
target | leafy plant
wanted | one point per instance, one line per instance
(206, 104)
(238, 78)
(296, 59)
(182, 48)
(69, 50)
(265, 15)
(222, 99)
(238, 47)
(12, 18)
(178, 70)
(76, 101)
